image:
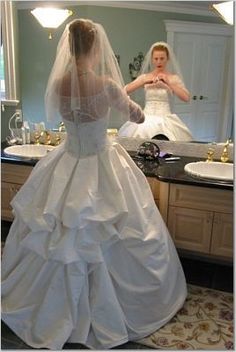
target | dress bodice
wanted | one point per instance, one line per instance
(157, 100)
(86, 138)
(86, 126)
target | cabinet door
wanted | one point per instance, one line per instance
(222, 235)
(8, 192)
(155, 187)
(13, 177)
(190, 228)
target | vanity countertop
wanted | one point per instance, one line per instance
(165, 171)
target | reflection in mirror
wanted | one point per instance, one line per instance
(140, 28)
(161, 78)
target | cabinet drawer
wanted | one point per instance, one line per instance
(17, 174)
(201, 198)
(190, 229)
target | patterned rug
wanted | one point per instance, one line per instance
(204, 323)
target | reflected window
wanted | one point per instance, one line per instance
(9, 61)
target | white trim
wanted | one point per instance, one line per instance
(198, 27)
(224, 129)
(9, 52)
(161, 6)
(10, 102)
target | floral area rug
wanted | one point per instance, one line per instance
(205, 322)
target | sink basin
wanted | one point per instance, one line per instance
(28, 150)
(212, 170)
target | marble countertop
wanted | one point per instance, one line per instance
(165, 171)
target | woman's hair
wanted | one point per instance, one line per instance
(81, 37)
(161, 47)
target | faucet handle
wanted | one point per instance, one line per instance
(210, 154)
(61, 127)
(58, 139)
(36, 138)
(225, 154)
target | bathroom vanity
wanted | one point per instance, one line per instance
(198, 213)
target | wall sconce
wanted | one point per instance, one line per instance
(50, 17)
(225, 10)
(134, 67)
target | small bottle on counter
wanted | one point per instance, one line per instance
(23, 135)
(27, 132)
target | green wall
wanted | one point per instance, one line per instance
(129, 31)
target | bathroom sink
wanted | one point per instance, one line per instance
(28, 150)
(211, 170)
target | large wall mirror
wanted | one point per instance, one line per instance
(132, 27)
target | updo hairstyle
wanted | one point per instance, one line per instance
(81, 37)
(161, 47)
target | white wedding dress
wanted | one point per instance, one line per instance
(158, 118)
(88, 258)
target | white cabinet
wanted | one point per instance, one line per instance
(205, 54)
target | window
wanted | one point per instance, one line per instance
(2, 78)
(8, 63)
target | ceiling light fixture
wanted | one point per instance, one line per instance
(51, 17)
(225, 10)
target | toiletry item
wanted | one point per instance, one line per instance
(27, 132)
(165, 154)
(23, 135)
(173, 158)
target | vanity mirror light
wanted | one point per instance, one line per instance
(143, 24)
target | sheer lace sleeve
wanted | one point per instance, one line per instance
(175, 79)
(119, 100)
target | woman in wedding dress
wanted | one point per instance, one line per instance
(88, 258)
(162, 82)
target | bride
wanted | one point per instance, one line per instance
(88, 258)
(162, 82)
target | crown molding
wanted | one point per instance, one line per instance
(160, 6)
(198, 27)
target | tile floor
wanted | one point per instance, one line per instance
(197, 272)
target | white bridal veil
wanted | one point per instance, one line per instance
(84, 64)
(172, 64)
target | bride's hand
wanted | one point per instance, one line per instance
(161, 84)
(148, 78)
(164, 78)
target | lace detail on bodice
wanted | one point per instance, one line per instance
(86, 118)
(84, 109)
(157, 101)
(86, 123)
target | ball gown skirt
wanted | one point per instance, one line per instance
(158, 119)
(88, 258)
